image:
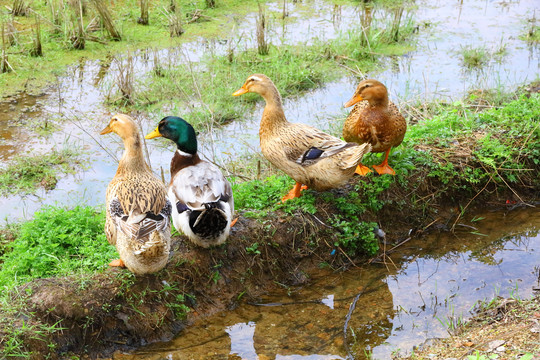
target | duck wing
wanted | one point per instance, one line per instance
(310, 145)
(139, 206)
(200, 184)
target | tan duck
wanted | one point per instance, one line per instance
(202, 198)
(137, 220)
(308, 155)
(376, 121)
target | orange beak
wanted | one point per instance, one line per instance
(355, 99)
(106, 130)
(240, 91)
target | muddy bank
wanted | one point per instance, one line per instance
(115, 310)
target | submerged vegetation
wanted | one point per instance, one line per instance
(26, 173)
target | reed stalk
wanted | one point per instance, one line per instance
(5, 67)
(78, 36)
(19, 8)
(124, 80)
(262, 45)
(175, 20)
(398, 13)
(106, 18)
(11, 33)
(144, 19)
(55, 8)
(37, 49)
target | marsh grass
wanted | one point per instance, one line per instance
(477, 57)
(124, 81)
(37, 48)
(202, 92)
(77, 34)
(106, 17)
(19, 8)
(174, 17)
(25, 174)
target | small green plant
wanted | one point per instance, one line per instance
(178, 306)
(474, 57)
(253, 249)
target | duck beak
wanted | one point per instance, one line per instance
(153, 134)
(106, 130)
(355, 99)
(240, 91)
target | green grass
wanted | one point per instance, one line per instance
(474, 57)
(56, 242)
(26, 173)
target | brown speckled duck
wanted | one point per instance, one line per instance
(376, 121)
(308, 155)
(137, 220)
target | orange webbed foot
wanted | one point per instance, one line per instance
(117, 263)
(384, 169)
(362, 170)
(294, 193)
(234, 222)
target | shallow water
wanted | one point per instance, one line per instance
(435, 281)
(431, 71)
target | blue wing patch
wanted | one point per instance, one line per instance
(312, 154)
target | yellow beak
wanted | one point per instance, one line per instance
(355, 99)
(240, 91)
(153, 134)
(106, 130)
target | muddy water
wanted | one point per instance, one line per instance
(409, 297)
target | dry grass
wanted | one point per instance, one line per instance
(262, 45)
(106, 18)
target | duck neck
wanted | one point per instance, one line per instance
(182, 160)
(132, 159)
(273, 115)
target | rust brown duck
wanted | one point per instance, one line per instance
(374, 120)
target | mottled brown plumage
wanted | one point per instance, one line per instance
(374, 120)
(138, 211)
(306, 154)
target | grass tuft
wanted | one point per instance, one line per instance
(25, 174)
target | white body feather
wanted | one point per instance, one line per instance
(196, 186)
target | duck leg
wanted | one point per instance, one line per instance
(117, 262)
(362, 170)
(295, 192)
(384, 168)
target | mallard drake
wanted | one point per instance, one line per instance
(376, 121)
(137, 214)
(311, 157)
(202, 198)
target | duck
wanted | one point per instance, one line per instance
(376, 121)
(311, 157)
(138, 212)
(202, 198)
